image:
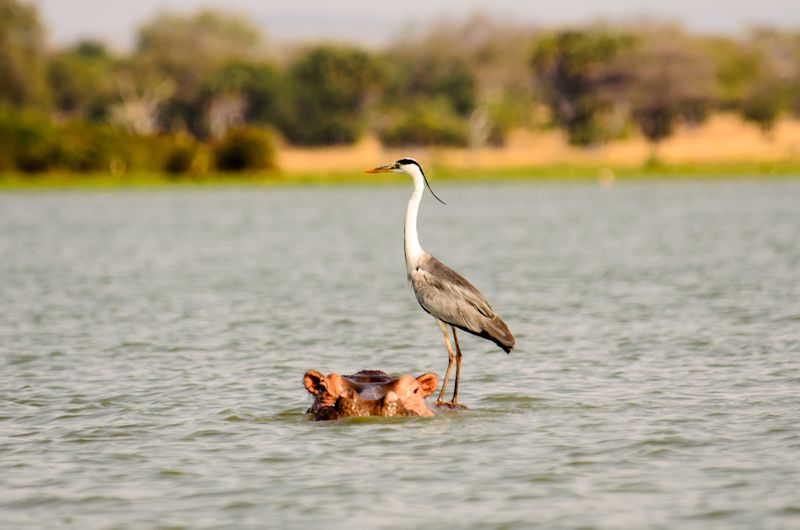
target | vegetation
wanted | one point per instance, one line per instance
(204, 92)
(579, 73)
(425, 122)
(244, 148)
(328, 89)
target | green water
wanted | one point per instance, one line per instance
(152, 347)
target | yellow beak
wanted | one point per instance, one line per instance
(380, 169)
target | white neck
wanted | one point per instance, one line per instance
(413, 249)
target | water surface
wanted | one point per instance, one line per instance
(152, 347)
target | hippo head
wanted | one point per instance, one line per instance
(368, 393)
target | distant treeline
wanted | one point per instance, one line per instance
(206, 90)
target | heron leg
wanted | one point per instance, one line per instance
(443, 327)
(454, 401)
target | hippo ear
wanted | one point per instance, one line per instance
(314, 382)
(428, 382)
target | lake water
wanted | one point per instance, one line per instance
(153, 343)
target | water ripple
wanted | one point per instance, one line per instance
(152, 348)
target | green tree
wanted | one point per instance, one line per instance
(328, 90)
(668, 81)
(420, 76)
(258, 85)
(736, 65)
(576, 73)
(775, 87)
(475, 66)
(188, 51)
(23, 55)
(80, 81)
(764, 101)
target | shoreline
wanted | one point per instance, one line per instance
(601, 174)
(723, 147)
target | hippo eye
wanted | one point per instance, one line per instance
(416, 390)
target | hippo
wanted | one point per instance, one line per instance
(368, 393)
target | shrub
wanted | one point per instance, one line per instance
(506, 112)
(34, 144)
(82, 146)
(28, 142)
(245, 148)
(763, 104)
(185, 156)
(427, 123)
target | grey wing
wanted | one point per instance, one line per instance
(448, 296)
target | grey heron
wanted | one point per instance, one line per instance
(441, 291)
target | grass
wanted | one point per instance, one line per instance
(17, 181)
(648, 171)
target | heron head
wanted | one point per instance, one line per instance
(404, 165)
(410, 167)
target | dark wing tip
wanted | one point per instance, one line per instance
(501, 335)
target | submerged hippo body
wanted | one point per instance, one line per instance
(368, 393)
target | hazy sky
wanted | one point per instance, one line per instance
(376, 21)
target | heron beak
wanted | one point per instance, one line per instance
(380, 169)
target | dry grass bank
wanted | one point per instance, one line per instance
(723, 139)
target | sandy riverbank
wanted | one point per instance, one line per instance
(723, 139)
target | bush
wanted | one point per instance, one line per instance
(427, 123)
(245, 148)
(86, 147)
(763, 105)
(180, 159)
(29, 142)
(507, 112)
(34, 144)
(185, 156)
(311, 126)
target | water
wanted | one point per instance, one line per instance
(152, 347)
